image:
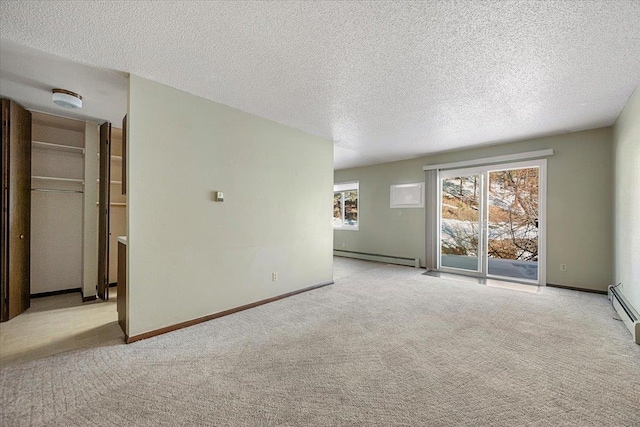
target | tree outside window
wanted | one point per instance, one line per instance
(345, 206)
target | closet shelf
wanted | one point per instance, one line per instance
(114, 182)
(113, 157)
(56, 190)
(48, 145)
(114, 204)
(52, 178)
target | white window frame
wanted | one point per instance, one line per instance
(341, 187)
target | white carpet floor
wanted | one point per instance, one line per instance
(383, 346)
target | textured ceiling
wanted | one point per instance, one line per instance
(384, 80)
(28, 75)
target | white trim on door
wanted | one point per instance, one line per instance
(483, 173)
(470, 172)
(491, 160)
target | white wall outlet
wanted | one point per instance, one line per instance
(274, 277)
(563, 267)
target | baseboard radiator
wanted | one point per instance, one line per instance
(411, 262)
(625, 310)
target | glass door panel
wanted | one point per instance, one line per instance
(460, 220)
(351, 207)
(513, 215)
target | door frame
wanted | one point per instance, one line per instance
(104, 205)
(483, 259)
(452, 173)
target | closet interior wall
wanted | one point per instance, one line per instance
(118, 212)
(57, 188)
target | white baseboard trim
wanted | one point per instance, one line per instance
(626, 311)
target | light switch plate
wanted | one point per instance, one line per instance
(218, 196)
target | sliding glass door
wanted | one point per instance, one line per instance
(491, 221)
(513, 223)
(460, 221)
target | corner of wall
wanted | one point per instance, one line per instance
(626, 199)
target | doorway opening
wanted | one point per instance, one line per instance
(491, 221)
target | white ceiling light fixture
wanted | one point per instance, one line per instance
(67, 99)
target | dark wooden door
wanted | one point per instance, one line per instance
(103, 211)
(15, 237)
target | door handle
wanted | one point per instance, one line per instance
(22, 236)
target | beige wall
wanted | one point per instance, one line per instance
(579, 216)
(56, 217)
(626, 156)
(189, 256)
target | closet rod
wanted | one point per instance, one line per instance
(113, 204)
(55, 190)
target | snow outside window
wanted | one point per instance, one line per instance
(345, 206)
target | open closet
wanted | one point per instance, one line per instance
(57, 204)
(63, 207)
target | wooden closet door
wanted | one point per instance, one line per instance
(16, 210)
(124, 155)
(103, 209)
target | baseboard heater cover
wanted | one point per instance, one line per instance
(390, 259)
(625, 310)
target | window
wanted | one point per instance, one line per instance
(345, 206)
